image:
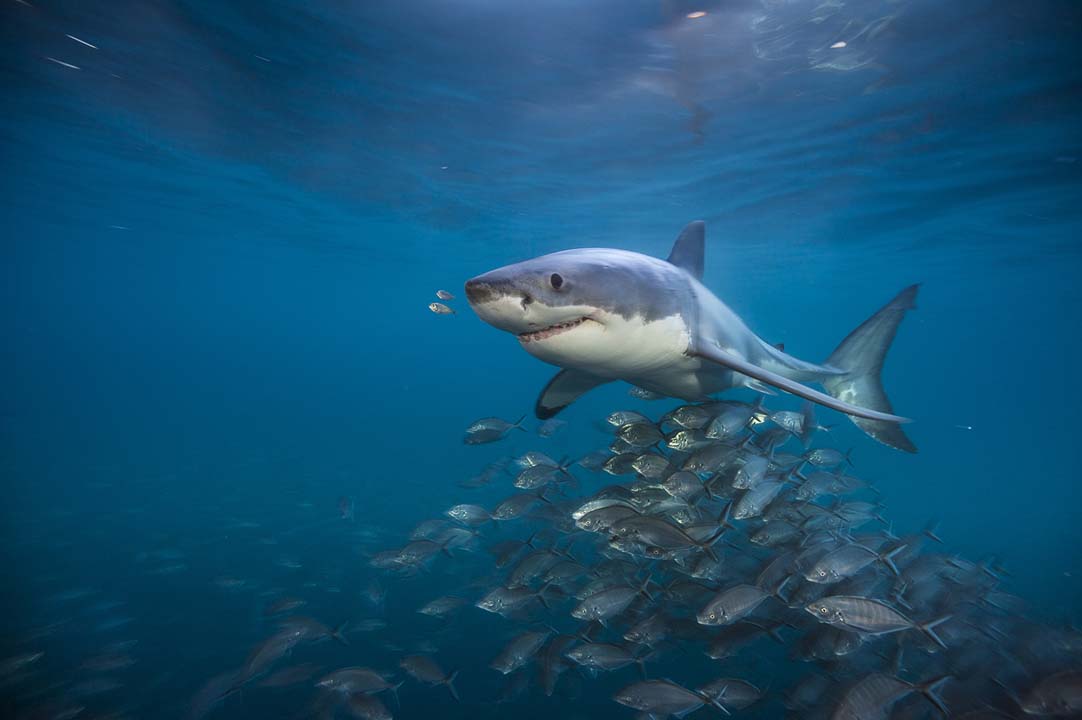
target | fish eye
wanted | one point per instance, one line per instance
(823, 610)
(556, 280)
(713, 616)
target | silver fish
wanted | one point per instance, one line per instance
(1059, 695)
(425, 669)
(661, 698)
(873, 697)
(519, 651)
(869, 616)
(440, 309)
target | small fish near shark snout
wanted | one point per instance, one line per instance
(604, 314)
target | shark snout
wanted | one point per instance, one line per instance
(478, 291)
(488, 287)
(497, 301)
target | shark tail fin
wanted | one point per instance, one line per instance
(861, 355)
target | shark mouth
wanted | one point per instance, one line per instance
(550, 331)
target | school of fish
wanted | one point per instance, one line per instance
(721, 559)
(722, 537)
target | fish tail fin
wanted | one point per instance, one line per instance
(795, 470)
(706, 488)
(565, 553)
(930, 690)
(992, 569)
(235, 690)
(450, 683)
(1008, 691)
(897, 595)
(888, 559)
(929, 630)
(717, 704)
(780, 587)
(644, 589)
(707, 546)
(339, 633)
(861, 355)
(518, 424)
(540, 594)
(725, 519)
(394, 693)
(564, 468)
(714, 701)
(931, 530)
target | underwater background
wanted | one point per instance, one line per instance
(222, 224)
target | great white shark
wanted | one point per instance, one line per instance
(603, 314)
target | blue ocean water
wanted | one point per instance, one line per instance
(223, 223)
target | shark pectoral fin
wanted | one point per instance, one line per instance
(563, 389)
(742, 366)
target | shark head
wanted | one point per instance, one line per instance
(539, 296)
(580, 308)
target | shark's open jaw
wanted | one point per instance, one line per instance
(550, 331)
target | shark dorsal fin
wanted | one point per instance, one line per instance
(687, 251)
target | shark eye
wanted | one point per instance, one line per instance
(556, 280)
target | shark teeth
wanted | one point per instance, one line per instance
(550, 331)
